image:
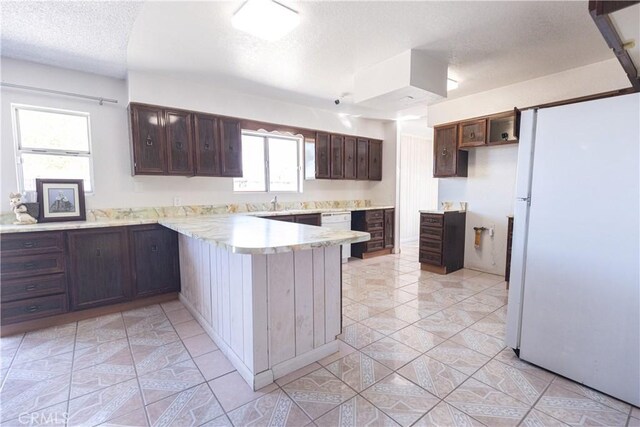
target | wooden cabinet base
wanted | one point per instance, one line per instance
(437, 269)
(75, 316)
(367, 255)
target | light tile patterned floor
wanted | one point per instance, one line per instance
(417, 349)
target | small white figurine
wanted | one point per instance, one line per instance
(20, 209)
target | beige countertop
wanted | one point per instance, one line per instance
(76, 225)
(440, 211)
(249, 235)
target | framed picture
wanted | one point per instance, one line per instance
(61, 200)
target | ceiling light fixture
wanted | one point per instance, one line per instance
(451, 84)
(266, 19)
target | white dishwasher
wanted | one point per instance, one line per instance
(339, 221)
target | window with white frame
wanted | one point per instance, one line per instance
(270, 163)
(52, 143)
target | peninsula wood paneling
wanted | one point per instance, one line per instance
(303, 271)
(282, 322)
(318, 297)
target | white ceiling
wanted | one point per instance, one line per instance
(84, 35)
(487, 44)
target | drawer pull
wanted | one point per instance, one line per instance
(149, 141)
(29, 245)
(98, 253)
(154, 248)
(32, 308)
(30, 287)
(29, 265)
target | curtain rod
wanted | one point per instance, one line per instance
(100, 99)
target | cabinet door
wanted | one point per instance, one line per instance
(179, 142)
(473, 133)
(155, 260)
(148, 140)
(207, 145)
(231, 147)
(99, 267)
(309, 219)
(375, 160)
(322, 155)
(350, 157)
(362, 151)
(447, 160)
(389, 224)
(337, 156)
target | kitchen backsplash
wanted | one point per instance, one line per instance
(198, 210)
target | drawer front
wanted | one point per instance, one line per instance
(374, 216)
(431, 220)
(31, 243)
(377, 235)
(32, 265)
(373, 226)
(374, 246)
(33, 308)
(431, 245)
(430, 233)
(17, 289)
(430, 258)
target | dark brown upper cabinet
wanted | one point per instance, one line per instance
(207, 145)
(448, 161)
(149, 149)
(362, 163)
(337, 157)
(350, 157)
(99, 272)
(375, 160)
(231, 147)
(179, 142)
(322, 155)
(473, 133)
(504, 128)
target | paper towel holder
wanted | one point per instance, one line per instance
(478, 236)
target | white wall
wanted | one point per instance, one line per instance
(418, 187)
(489, 188)
(114, 185)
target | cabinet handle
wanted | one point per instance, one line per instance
(32, 308)
(231, 148)
(30, 287)
(472, 135)
(29, 265)
(206, 146)
(28, 244)
(179, 145)
(149, 142)
(444, 151)
(154, 248)
(98, 252)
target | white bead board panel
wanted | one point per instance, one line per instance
(277, 310)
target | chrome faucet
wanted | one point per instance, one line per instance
(274, 203)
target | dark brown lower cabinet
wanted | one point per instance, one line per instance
(309, 219)
(99, 267)
(379, 223)
(154, 257)
(442, 241)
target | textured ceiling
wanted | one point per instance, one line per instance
(85, 35)
(486, 44)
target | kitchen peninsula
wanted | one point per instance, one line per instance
(267, 292)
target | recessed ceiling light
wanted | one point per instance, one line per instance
(451, 84)
(266, 19)
(405, 118)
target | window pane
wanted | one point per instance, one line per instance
(283, 164)
(252, 165)
(48, 130)
(50, 166)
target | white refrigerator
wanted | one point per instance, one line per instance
(574, 296)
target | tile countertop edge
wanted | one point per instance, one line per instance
(221, 232)
(78, 225)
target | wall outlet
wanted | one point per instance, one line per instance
(177, 201)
